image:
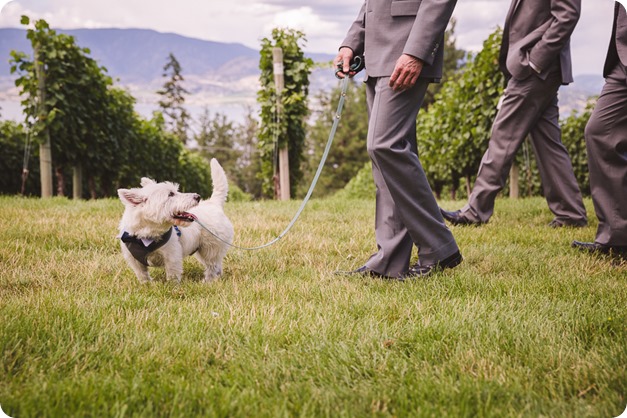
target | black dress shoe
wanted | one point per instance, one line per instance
(458, 218)
(361, 271)
(418, 270)
(596, 248)
(560, 223)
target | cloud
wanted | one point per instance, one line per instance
(3, 3)
(476, 20)
(324, 22)
(315, 28)
(591, 38)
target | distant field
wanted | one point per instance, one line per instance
(525, 327)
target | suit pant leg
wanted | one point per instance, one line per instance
(606, 143)
(556, 171)
(407, 212)
(524, 102)
(394, 244)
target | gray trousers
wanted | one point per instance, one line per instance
(529, 107)
(606, 142)
(407, 213)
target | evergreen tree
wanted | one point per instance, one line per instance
(216, 139)
(173, 99)
(249, 161)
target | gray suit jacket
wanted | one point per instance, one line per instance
(386, 29)
(618, 43)
(539, 31)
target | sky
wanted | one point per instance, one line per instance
(324, 22)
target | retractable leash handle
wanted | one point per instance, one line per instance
(356, 65)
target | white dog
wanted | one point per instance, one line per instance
(150, 236)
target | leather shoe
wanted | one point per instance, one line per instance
(361, 271)
(596, 248)
(458, 218)
(560, 223)
(424, 270)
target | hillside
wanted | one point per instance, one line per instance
(216, 74)
(136, 58)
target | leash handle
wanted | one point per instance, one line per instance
(356, 65)
(325, 154)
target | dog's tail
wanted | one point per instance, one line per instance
(220, 183)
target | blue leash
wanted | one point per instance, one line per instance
(327, 148)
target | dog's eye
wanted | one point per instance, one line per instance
(171, 194)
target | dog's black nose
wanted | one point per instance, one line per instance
(197, 197)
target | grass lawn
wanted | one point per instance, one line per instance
(525, 327)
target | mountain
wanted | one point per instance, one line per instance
(135, 58)
(215, 73)
(575, 96)
(136, 55)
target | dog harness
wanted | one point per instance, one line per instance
(138, 248)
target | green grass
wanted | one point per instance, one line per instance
(525, 327)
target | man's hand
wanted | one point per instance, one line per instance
(344, 58)
(405, 73)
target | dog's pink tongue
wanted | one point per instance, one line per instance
(186, 216)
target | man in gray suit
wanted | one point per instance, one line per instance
(535, 58)
(401, 42)
(606, 142)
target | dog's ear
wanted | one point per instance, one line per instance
(146, 181)
(130, 197)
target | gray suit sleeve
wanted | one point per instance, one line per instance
(565, 16)
(428, 29)
(355, 36)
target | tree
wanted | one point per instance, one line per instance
(573, 128)
(92, 124)
(453, 61)
(78, 111)
(290, 129)
(234, 146)
(348, 153)
(105, 159)
(13, 141)
(216, 139)
(249, 161)
(173, 99)
(453, 134)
